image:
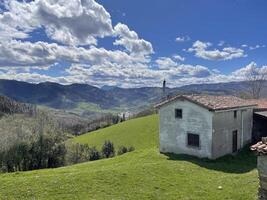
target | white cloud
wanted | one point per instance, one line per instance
(165, 63)
(82, 22)
(139, 75)
(130, 40)
(17, 53)
(178, 57)
(256, 47)
(221, 43)
(73, 22)
(227, 53)
(245, 72)
(182, 39)
(173, 69)
(253, 47)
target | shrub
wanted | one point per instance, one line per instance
(108, 149)
(122, 150)
(131, 148)
(94, 154)
(77, 153)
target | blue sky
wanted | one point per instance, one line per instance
(132, 43)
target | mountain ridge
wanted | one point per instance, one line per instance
(59, 96)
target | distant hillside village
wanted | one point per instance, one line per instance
(210, 126)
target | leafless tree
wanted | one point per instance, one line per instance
(256, 78)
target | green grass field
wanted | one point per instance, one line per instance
(142, 174)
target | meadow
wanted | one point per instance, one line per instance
(141, 174)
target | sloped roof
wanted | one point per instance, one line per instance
(260, 147)
(211, 102)
(261, 103)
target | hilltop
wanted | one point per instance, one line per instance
(142, 174)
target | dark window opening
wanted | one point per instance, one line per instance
(178, 113)
(235, 141)
(235, 114)
(193, 140)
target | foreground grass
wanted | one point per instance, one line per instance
(142, 174)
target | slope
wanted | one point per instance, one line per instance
(142, 174)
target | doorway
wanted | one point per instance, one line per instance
(234, 141)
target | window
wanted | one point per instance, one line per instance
(235, 114)
(193, 140)
(178, 113)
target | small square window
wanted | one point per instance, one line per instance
(193, 140)
(178, 113)
(235, 114)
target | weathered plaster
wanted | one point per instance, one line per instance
(224, 124)
(215, 129)
(173, 131)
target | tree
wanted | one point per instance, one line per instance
(94, 154)
(108, 149)
(256, 78)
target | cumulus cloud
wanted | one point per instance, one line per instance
(17, 53)
(73, 22)
(227, 53)
(130, 40)
(174, 69)
(139, 75)
(74, 27)
(165, 63)
(245, 72)
(178, 57)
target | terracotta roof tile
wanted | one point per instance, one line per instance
(261, 103)
(212, 102)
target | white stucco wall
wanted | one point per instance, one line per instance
(173, 131)
(224, 124)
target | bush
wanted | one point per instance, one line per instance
(108, 149)
(123, 150)
(94, 154)
(131, 149)
(78, 153)
(46, 152)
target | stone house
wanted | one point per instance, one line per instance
(204, 125)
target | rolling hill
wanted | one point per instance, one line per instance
(142, 174)
(85, 99)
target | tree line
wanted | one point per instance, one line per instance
(37, 142)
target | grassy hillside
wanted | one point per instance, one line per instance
(141, 133)
(142, 174)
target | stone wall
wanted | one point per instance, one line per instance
(262, 169)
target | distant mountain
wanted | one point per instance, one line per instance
(55, 95)
(59, 96)
(83, 97)
(230, 88)
(107, 87)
